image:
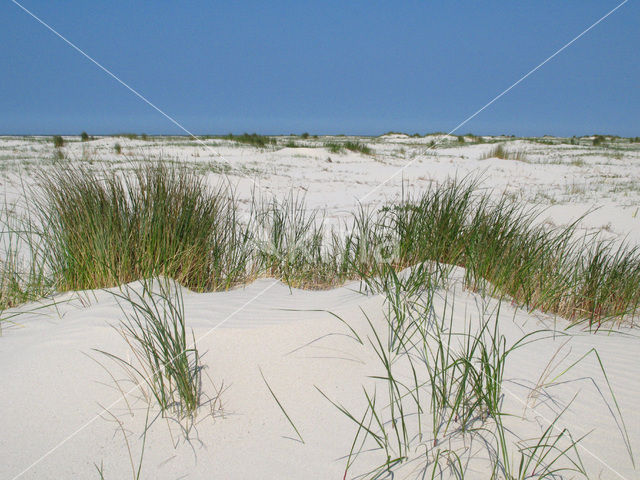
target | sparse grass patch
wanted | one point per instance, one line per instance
(334, 147)
(167, 360)
(58, 155)
(24, 269)
(357, 147)
(289, 244)
(578, 162)
(438, 389)
(500, 152)
(254, 139)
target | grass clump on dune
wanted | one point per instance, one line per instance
(335, 147)
(291, 245)
(165, 358)
(24, 274)
(254, 139)
(105, 230)
(500, 152)
(439, 388)
(358, 147)
(102, 230)
(506, 252)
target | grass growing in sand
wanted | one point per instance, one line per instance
(439, 390)
(104, 229)
(500, 152)
(24, 273)
(167, 360)
(99, 230)
(254, 139)
(505, 252)
(354, 146)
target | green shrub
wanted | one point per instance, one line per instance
(58, 141)
(84, 136)
(117, 148)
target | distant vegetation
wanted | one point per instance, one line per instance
(336, 147)
(292, 144)
(58, 141)
(333, 147)
(252, 139)
(132, 136)
(500, 152)
(358, 147)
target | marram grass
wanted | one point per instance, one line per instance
(105, 230)
(99, 230)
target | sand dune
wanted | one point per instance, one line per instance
(53, 386)
(68, 411)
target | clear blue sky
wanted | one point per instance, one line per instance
(361, 67)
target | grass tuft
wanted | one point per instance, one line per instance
(500, 152)
(107, 230)
(254, 139)
(335, 147)
(167, 361)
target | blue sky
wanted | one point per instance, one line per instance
(353, 67)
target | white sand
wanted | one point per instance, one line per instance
(54, 392)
